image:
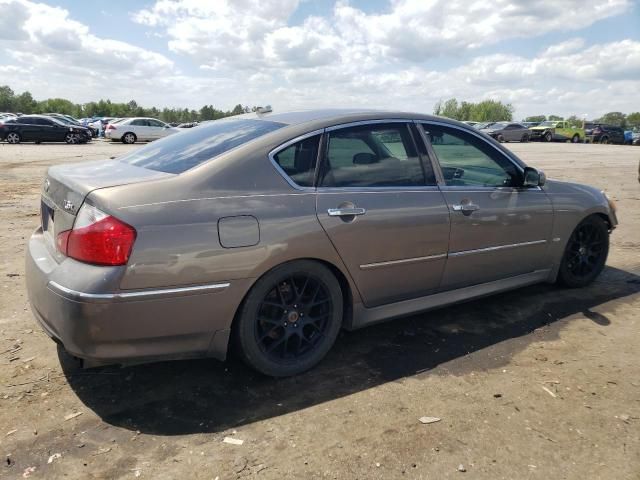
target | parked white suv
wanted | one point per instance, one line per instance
(130, 130)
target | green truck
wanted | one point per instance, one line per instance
(557, 131)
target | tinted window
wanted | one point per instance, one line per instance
(379, 155)
(27, 121)
(155, 123)
(182, 151)
(139, 123)
(467, 160)
(299, 161)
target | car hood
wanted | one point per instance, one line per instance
(540, 128)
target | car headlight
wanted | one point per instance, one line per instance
(612, 204)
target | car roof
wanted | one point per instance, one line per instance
(329, 116)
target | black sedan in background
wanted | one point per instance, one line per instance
(507, 132)
(39, 128)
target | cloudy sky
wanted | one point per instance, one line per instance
(544, 56)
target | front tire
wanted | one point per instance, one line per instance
(500, 138)
(129, 138)
(290, 319)
(604, 140)
(548, 137)
(585, 254)
(72, 138)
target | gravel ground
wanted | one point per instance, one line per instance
(539, 383)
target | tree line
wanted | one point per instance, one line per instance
(484, 111)
(26, 104)
(495, 111)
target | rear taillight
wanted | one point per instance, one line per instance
(97, 238)
(110, 127)
(597, 130)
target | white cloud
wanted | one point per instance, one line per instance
(46, 37)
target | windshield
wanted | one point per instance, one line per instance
(548, 124)
(181, 151)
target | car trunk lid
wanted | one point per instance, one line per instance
(66, 186)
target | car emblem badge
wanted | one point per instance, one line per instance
(47, 184)
(68, 206)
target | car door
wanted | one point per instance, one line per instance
(51, 131)
(156, 129)
(140, 127)
(28, 129)
(498, 228)
(513, 132)
(379, 204)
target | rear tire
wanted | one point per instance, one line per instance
(129, 138)
(290, 319)
(13, 138)
(500, 138)
(525, 138)
(604, 140)
(575, 138)
(585, 254)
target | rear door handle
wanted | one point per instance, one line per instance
(465, 208)
(343, 212)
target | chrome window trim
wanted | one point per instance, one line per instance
(404, 261)
(476, 134)
(287, 144)
(497, 247)
(135, 295)
(367, 122)
(337, 190)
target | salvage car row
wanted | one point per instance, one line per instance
(558, 131)
(55, 127)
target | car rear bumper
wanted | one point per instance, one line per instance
(126, 326)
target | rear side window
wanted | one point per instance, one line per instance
(377, 155)
(181, 151)
(298, 161)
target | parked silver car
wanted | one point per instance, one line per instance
(508, 132)
(279, 229)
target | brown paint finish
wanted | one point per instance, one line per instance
(205, 236)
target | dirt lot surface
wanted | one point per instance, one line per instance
(539, 383)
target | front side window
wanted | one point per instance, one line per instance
(182, 151)
(139, 123)
(298, 161)
(155, 123)
(376, 155)
(469, 161)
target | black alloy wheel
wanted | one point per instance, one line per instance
(586, 253)
(290, 319)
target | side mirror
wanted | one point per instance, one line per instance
(533, 178)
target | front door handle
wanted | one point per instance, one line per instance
(466, 208)
(343, 212)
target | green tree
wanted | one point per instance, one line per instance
(7, 99)
(554, 118)
(492, 111)
(450, 109)
(25, 103)
(633, 120)
(618, 119)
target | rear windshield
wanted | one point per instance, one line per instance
(181, 151)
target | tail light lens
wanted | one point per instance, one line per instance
(97, 238)
(110, 127)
